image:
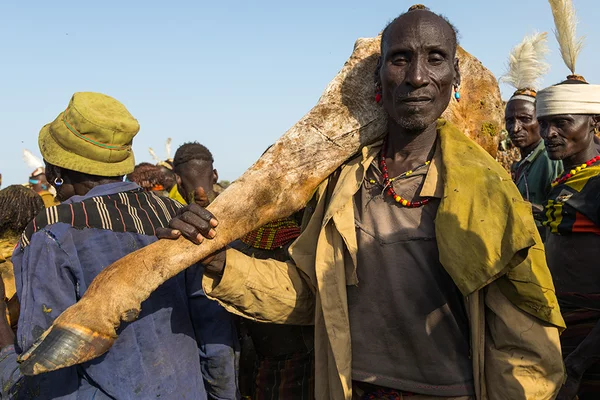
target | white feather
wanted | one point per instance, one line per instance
(526, 63)
(565, 22)
(32, 161)
(153, 154)
(168, 148)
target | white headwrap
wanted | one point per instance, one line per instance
(522, 97)
(568, 99)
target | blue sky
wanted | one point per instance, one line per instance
(233, 75)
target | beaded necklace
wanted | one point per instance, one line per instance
(574, 171)
(387, 182)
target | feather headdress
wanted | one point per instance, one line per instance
(153, 155)
(168, 148)
(167, 163)
(527, 65)
(565, 22)
(33, 162)
(167, 151)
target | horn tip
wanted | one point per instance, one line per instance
(63, 347)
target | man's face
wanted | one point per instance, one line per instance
(566, 135)
(521, 123)
(195, 174)
(418, 69)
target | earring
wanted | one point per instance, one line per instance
(58, 182)
(377, 93)
(457, 92)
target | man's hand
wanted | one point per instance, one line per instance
(193, 221)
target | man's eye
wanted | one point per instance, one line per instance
(526, 120)
(436, 59)
(400, 61)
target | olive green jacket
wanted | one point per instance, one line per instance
(487, 242)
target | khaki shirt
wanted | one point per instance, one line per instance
(488, 244)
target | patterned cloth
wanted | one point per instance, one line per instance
(574, 206)
(180, 347)
(134, 211)
(273, 235)
(290, 377)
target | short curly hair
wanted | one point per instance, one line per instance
(417, 7)
(148, 176)
(18, 206)
(192, 151)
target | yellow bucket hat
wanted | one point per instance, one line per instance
(93, 136)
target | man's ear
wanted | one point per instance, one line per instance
(457, 79)
(215, 176)
(378, 71)
(596, 123)
(178, 180)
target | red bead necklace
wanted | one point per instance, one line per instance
(387, 182)
(574, 171)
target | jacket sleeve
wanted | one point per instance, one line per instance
(45, 287)
(523, 358)
(263, 290)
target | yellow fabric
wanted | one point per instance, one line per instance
(6, 268)
(8, 278)
(48, 198)
(483, 222)
(93, 135)
(175, 195)
(478, 198)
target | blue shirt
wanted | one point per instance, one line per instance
(156, 356)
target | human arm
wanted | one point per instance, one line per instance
(523, 358)
(46, 287)
(262, 290)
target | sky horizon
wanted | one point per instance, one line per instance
(233, 76)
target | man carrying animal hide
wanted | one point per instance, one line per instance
(419, 264)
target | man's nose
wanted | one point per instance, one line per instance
(417, 75)
(548, 132)
(513, 127)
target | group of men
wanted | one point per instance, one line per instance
(416, 271)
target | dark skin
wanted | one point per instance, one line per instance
(75, 183)
(168, 176)
(570, 138)
(194, 174)
(524, 131)
(522, 125)
(417, 70)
